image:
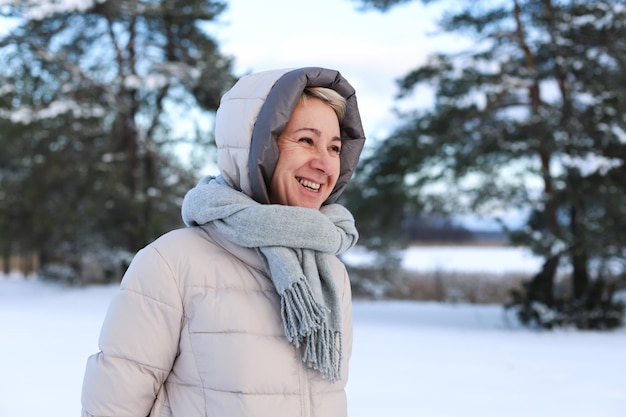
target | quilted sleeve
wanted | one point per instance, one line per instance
(138, 341)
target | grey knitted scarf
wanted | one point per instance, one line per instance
(293, 243)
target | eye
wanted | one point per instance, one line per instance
(335, 149)
(306, 140)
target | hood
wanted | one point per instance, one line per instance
(254, 112)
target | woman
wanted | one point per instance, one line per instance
(247, 311)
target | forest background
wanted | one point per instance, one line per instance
(526, 116)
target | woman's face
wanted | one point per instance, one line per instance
(308, 164)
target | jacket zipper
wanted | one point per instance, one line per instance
(304, 392)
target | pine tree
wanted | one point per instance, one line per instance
(90, 121)
(532, 116)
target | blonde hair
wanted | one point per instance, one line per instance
(328, 96)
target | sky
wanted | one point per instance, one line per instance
(409, 358)
(370, 48)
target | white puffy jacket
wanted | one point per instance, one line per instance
(196, 328)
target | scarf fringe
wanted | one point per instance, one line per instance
(306, 326)
(323, 351)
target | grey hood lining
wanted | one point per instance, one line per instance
(274, 115)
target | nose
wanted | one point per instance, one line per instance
(325, 162)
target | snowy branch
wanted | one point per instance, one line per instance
(42, 9)
(26, 115)
(591, 164)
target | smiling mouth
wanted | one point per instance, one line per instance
(311, 186)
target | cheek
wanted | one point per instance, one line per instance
(293, 159)
(284, 162)
(337, 168)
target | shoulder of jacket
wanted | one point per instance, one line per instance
(183, 243)
(179, 239)
(200, 243)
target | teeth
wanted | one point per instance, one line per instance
(308, 184)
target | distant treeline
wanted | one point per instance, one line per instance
(440, 229)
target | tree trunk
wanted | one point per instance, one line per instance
(541, 287)
(6, 261)
(579, 256)
(580, 274)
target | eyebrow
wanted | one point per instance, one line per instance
(317, 132)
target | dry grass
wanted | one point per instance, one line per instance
(24, 264)
(470, 287)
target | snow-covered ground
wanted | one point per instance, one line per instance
(492, 259)
(410, 359)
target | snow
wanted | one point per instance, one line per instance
(590, 163)
(409, 359)
(489, 259)
(41, 9)
(26, 115)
